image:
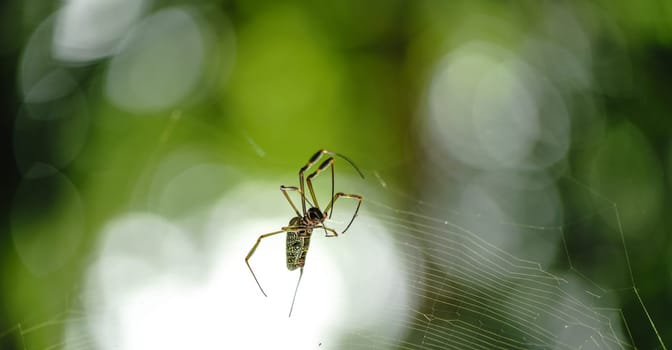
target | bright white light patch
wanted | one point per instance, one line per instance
(157, 286)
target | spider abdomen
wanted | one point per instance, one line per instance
(297, 249)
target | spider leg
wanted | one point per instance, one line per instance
(316, 157)
(327, 163)
(353, 196)
(249, 255)
(310, 163)
(295, 290)
(335, 234)
(284, 190)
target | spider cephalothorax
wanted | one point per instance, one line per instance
(314, 217)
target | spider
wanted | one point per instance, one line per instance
(301, 226)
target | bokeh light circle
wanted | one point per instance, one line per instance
(87, 30)
(47, 220)
(161, 62)
(53, 132)
(489, 110)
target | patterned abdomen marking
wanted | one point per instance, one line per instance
(297, 249)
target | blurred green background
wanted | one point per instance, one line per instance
(106, 104)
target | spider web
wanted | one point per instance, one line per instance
(463, 291)
(475, 295)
